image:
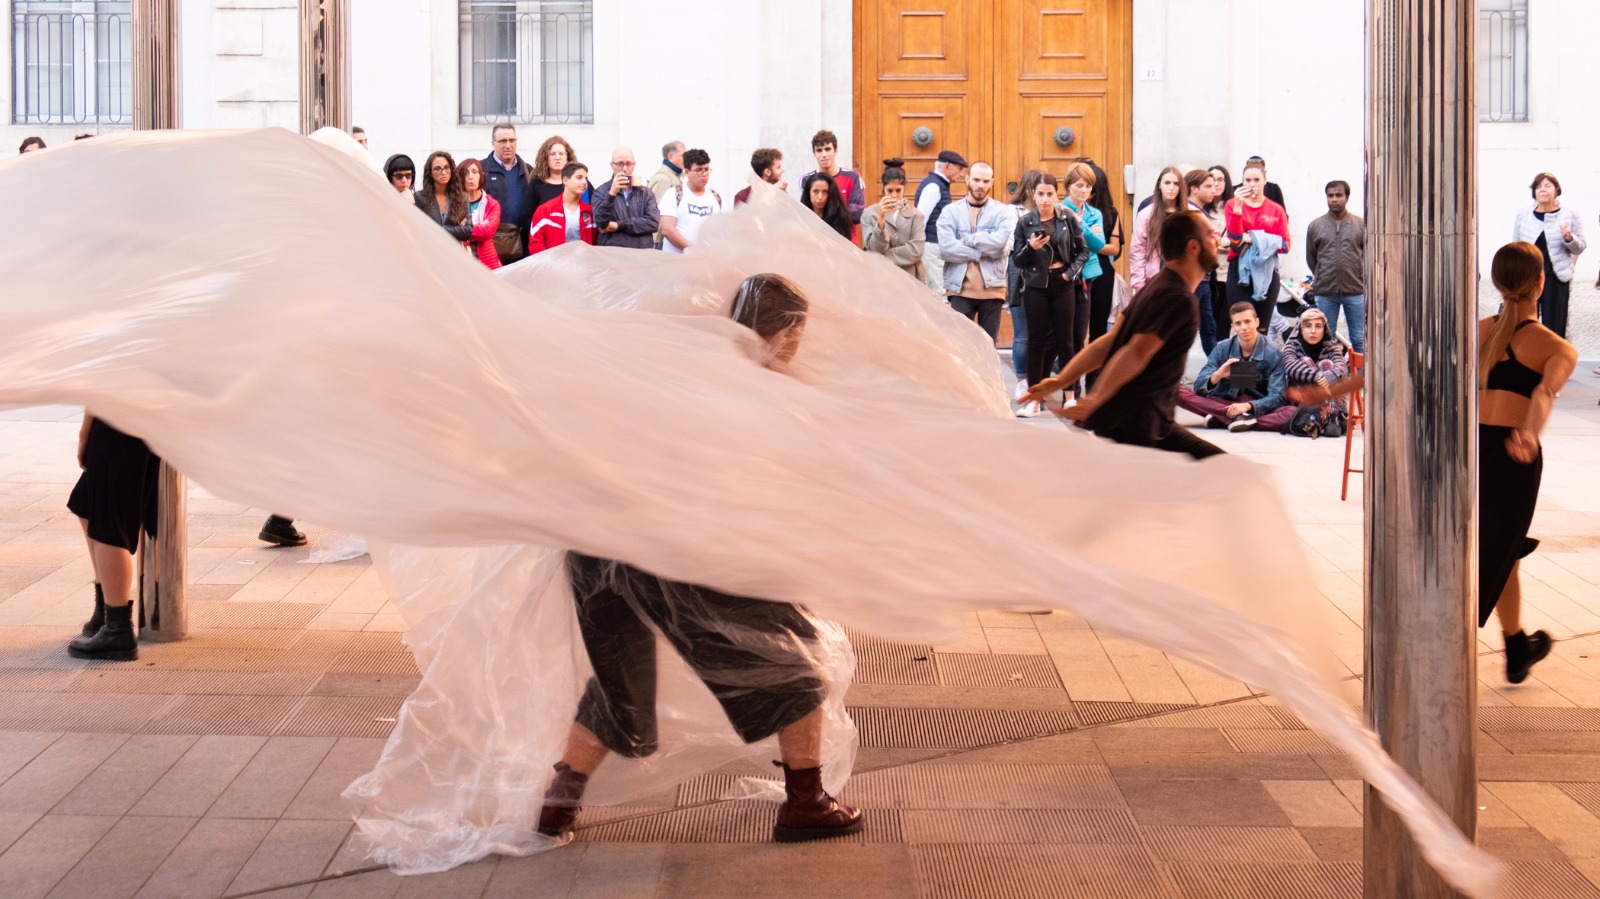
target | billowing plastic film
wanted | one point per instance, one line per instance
(282, 327)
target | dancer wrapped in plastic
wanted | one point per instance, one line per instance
(429, 402)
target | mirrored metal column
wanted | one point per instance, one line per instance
(1421, 481)
(324, 64)
(164, 614)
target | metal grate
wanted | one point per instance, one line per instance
(254, 659)
(1107, 712)
(1077, 826)
(223, 715)
(1524, 718)
(941, 786)
(1279, 741)
(1228, 844)
(349, 641)
(374, 663)
(194, 683)
(925, 728)
(72, 62)
(79, 713)
(1258, 880)
(1547, 880)
(527, 61)
(260, 615)
(401, 685)
(895, 663)
(1585, 794)
(35, 680)
(38, 555)
(344, 716)
(1035, 872)
(969, 669)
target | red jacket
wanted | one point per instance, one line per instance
(482, 242)
(549, 227)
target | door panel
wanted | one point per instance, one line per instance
(945, 116)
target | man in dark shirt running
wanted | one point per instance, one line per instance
(1141, 359)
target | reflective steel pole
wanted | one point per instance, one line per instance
(164, 586)
(1421, 482)
(324, 64)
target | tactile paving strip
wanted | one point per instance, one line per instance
(39, 555)
(1260, 880)
(895, 663)
(722, 822)
(224, 715)
(262, 615)
(1288, 719)
(1524, 718)
(349, 641)
(942, 786)
(374, 663)
(195, 683)
(1547, 880)
(1279, 741)
(1000, 871)
(1585, 794)
(1107, 712)
(1074, 825)
(255, 659)
(953, 728)
(79, 713)
(1228, 844)
(343, 716)
(35, 680)
(971, 669)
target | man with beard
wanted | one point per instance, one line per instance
(1141, 359)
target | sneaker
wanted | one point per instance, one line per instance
(1022, 388)
(1246, 422)
(1597, 371)
(1028, 410)
(281, 532)
(1214, 423)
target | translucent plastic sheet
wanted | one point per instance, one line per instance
(276, 322)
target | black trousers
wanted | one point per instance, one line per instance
(985, 312)
(1057, 317)
(1100, 296)
(1553, 304)
(751, 654)
(1179, 440)
(1220, 306)
(1240, 293)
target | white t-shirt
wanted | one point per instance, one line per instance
(691, 213)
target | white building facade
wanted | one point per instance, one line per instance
(1206, 82)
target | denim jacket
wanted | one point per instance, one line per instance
(960, 244)
(1266, 357)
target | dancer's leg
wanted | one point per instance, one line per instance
(800, 743)
(584, 752)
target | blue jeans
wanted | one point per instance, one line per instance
(1355, 309)
(1019, 342)
(1208, 325)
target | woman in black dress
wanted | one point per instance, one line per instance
(1521, 365)
(114, 499)
(756, 657)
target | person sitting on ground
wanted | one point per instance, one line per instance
(894, 228)
(1315, 355)
(1241, 385)
(754, 655)
(567, 218)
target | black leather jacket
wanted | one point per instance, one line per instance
(1066, 244)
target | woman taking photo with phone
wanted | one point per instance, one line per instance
(1050, 251)
(894, 228)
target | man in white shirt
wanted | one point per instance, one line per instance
(933, 195)
(684, 209)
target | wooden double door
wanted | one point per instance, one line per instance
(1019, 84)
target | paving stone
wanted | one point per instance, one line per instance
(56, 771)
(1207, 765)
(1313, 803)
(126, 776)
(1518, 844)
(123, 859)
(549, 875)
(1333, 844)
(1036, 872)
(194, 781)
(372, 885)
(319, 797)
(19, 747)
(207, 859)
(275, 775)
(293, 851)
(38, 860)
(13, 825)
(806, 871)
(465, 881)
(1195, 801)
(1227, 844)
(1161, 739)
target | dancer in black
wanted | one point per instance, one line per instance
(114, 499)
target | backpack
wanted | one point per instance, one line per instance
(678, 194)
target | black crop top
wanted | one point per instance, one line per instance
(1512, 376)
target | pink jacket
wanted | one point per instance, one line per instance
(1144, 259)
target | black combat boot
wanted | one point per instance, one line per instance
(114, 642)
(92, 626)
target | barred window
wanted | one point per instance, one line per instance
(71, 62)
(1503, 61)
(527, 61)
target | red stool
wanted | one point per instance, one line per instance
(1358, 412)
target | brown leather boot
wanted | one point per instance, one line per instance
(810, 813)
(561, 801)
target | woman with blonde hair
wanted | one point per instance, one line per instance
(1521, 365)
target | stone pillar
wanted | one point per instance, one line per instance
(324, 64)
(164, 614)
(1421, 481)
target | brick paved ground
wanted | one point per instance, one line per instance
(1029, 756)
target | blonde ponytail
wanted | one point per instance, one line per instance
(1517, 272)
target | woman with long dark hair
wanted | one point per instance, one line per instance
(821, 195)
(1049, 249)
(483, 211)
(1022, 202)
(1103, 289)
(1171, 197)
(437, 200)
(1222, 186)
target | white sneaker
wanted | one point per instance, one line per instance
(1068, 401)
(1028, 410)
(1246, 422)
(1022, 388)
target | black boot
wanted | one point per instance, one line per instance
(92, 626)
(281, 532)
(114, 642)
(561, 801)
(1523, 651)
(809, 813)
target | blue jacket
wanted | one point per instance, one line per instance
(1266, 357)
(960, 244)
(1094, 232)
(1258, 265)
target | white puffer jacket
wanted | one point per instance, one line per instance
(1563, 253)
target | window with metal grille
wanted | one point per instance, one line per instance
(71, 62)
(1503, 61)
(527, 61)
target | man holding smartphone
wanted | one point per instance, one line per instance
(1241, 385)
(625, 212)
